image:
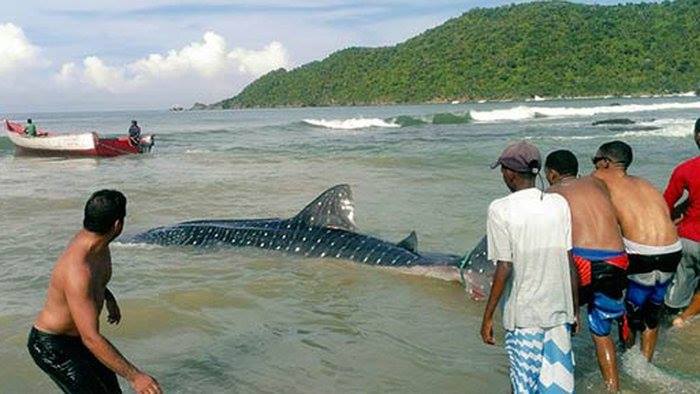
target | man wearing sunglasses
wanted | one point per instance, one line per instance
(650, 240)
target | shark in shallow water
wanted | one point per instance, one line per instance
(326, 229)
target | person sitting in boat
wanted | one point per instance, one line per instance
(135, 134)
(30, 130)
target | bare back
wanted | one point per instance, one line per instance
(77, 263)
(593, 219)
(641, 209)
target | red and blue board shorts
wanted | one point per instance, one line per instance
(602, 280)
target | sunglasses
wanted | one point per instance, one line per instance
(596, 159)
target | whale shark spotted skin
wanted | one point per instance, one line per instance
(323, 229)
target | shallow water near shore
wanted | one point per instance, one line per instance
(251, 321)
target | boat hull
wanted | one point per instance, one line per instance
(81, 145)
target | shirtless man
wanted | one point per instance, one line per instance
(65, 341)
(650, 240)
(598, 253)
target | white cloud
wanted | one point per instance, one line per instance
(257, 63)
(207, 59)
(102, 76)
(67, 73)
(15, 49)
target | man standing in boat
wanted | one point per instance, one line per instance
(135, 134)
(65, 341)
(30, 130)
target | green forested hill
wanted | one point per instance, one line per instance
(543, 48)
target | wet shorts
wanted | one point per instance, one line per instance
(685, 282)
(649, 277)
(643, 304)
(70, 364)
(602, 278)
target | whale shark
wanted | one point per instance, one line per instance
(326, 228)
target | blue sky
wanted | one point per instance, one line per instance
(91, 55)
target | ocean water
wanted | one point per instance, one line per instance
(249, 321)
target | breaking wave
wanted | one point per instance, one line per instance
(393, 122)
(669, 128)
(351, 124)
(521, 112)
(524, 112)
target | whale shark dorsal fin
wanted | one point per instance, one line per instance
(410, 243)
(334, 208)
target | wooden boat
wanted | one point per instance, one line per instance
(81, 144)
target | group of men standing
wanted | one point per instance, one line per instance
(607, 240)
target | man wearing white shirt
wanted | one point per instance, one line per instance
(529, 235)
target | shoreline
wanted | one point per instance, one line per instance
(534, 99)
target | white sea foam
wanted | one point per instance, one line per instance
(141, 246)
(350, 124)
(636, 366)
(524, 112)
(669, 128)
(197, 151)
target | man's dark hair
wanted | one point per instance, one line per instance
(29, 121)
(103, 209)
(617, 151)
(562, 161)
(697, 126)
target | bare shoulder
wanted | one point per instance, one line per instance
(77, 272)
(641, 182)
(554, 189)
(594, 183)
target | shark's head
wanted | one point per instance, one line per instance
(477, 271)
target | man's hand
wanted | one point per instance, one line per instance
(487, 332)
(576, 327)
(679, 219)
(114, 315)
(145, 384)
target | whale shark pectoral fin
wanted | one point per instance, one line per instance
(410, 243)
(334, 208)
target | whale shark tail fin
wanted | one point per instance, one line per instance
(335, 208)
(410, 243)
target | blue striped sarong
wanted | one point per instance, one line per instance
(541, 360)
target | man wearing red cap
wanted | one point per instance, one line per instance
(529, 235)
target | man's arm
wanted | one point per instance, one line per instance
(574, 292)
(674, 191)
(114, 314)
(500, 277)
(109, 296)
(84, 313)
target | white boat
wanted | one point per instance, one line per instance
(80, 144)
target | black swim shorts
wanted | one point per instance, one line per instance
(70, 364)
